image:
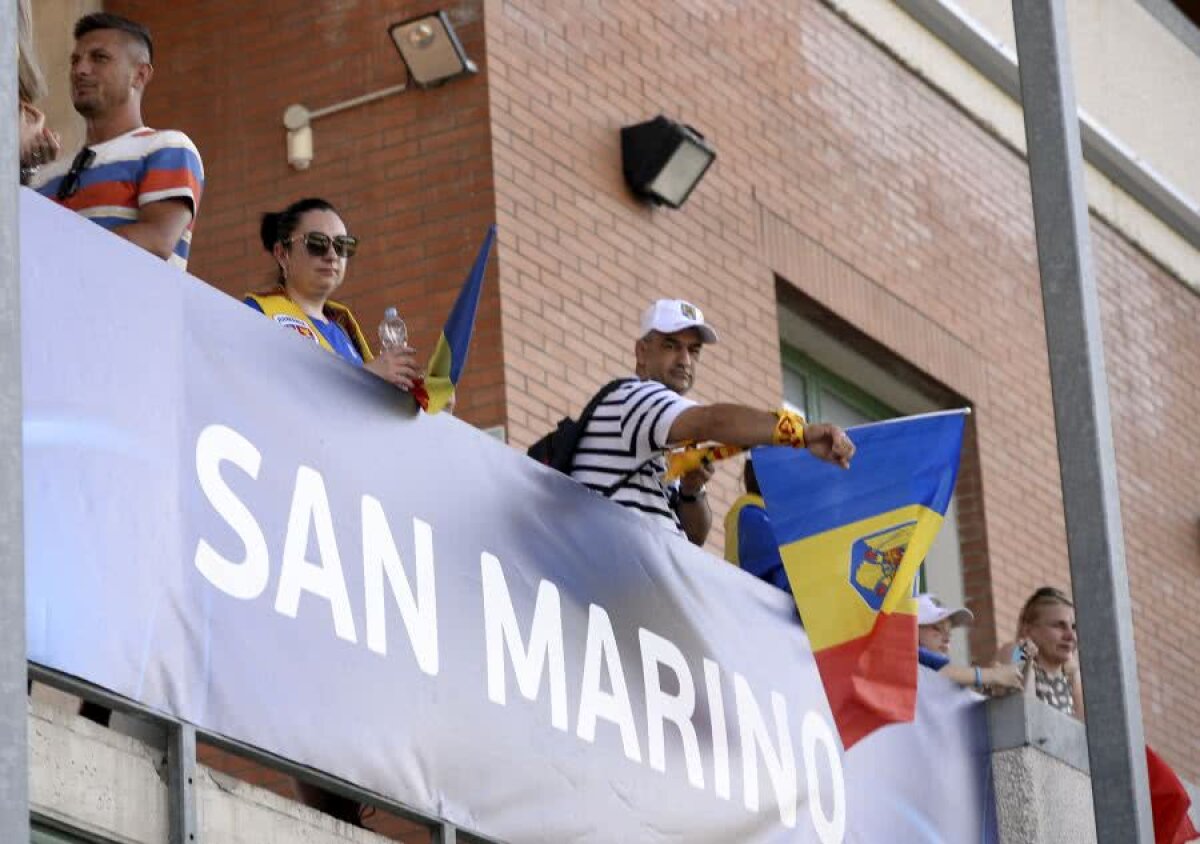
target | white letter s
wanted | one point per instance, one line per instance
(247, 579)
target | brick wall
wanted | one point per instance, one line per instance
(411, 174)
(891, 208)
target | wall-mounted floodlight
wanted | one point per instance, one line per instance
(430, 51)
(664, 160)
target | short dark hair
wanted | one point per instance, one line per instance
(278, 226)
(105, 20)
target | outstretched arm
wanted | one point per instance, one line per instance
(745, 426)
(997, 676)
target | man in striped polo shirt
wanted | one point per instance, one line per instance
(139, 183)
(621, 452)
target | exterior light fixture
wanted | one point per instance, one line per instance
(664, 160)
(430, 49)
(431, 53)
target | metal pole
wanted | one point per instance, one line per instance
(181, 783)
(14, 772)
(1116, 748)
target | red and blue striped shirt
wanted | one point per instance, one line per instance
(135, 169)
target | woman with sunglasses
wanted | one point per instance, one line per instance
(311, 248)
(1048, 650)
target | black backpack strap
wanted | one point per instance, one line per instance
(609, 492)
(597, 399)
(585, 417)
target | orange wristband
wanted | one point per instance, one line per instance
(789, 428)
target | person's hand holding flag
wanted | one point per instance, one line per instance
(829, 443)
(826, 442)
(823, 441)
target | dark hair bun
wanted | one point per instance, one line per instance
(268, 230)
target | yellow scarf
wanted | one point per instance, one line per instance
(276, 304)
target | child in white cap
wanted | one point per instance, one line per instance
(934, 623)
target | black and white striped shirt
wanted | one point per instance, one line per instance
(629, 430)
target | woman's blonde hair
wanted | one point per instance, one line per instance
(31, 84)
(1045, 597)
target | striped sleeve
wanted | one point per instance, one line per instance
(171, 169)
(647, 410)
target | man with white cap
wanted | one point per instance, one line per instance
(934, 624)
(621, 451)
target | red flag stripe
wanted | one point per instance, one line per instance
(871, 681)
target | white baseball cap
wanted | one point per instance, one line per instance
(666, 316)
(931, 611)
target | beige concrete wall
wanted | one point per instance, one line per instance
(52, 22)
(1131, 74)
(112, 786)
(1156, 80)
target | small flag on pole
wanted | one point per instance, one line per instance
(450, 354)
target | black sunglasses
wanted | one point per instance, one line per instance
(69, 186)
(317, 244)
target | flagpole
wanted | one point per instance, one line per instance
(1116, 746)
(933, 414)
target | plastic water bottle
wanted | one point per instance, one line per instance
(393, 333)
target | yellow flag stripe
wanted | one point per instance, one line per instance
(437, 378)
(828, 594)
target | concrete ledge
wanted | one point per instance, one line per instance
(93, 779)
(1041, 800)
(101, 782)
(234, 812)
(1040, 773)
(1018, 721)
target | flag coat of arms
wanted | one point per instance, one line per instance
(852, 542)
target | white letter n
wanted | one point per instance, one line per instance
(380, 560)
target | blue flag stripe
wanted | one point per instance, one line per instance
(461, 322)
(897, 463)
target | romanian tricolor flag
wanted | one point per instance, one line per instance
(852, 541)
(450, 354)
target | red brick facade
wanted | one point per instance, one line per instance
(839, 172)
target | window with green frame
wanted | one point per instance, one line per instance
(822, 396)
